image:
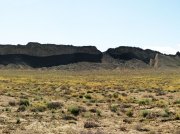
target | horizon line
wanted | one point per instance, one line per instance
(24, 44)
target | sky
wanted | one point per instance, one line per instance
(153, 24)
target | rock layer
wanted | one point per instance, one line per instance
(38, 55)
(47, 55)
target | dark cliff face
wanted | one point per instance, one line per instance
(178, 54)
(128, 53)
(38, 55)
(47, 55)
(48, 61)
(37, 49)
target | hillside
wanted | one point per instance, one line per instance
(36, 55)
(47, 55)
(164, 61)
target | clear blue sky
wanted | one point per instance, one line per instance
(153, 24)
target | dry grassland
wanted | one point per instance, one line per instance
(96, 102)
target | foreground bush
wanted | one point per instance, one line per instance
(38, 107)
(54, 105)
(24, 102)
(75, 110)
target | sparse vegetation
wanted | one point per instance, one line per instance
(38, 107)
(90, 124)
(177, 101)
(166, 113)
(177, 116)
(24, 102)
(87, 96)
(18, 121)
(75, 110)
(114, 107)
(128, 101)
(145, 113)
(12, 103)
(129, 113)
(54, 105)
(21, 108)
(144, 102)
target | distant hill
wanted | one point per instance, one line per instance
(47, 55)
(166, 61)
(42, 50)
(36, 55)
(128, 53)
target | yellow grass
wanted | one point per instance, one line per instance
(118, 97)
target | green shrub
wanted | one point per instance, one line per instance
(39, 107)
(18, 121)
(87, 115)
(177, 102)
(54, 105)
(114, 108)
(21, 108)
(75, 110)
(145, 113)
(24, 102)
(177, 116)
(12, 103)
(129, 113)
(87, 96)
(161, 103)
(166, 113)
(115, 95)
(144, 102)
(98, 112)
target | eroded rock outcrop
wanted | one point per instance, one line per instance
(38, 55)
(165, 61)
(128, 53)
(47, 55)
(37, 49)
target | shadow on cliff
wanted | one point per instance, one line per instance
(48, 61)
